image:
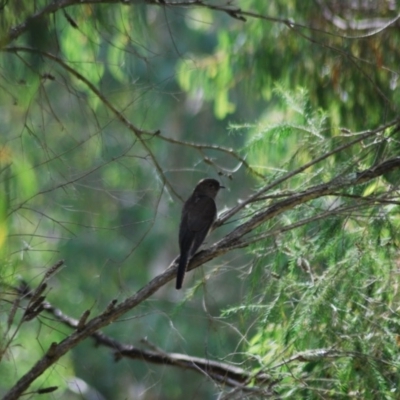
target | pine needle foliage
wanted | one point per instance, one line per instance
(324, 282)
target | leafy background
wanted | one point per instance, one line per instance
(80, 184)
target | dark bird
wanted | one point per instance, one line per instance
(198, 215)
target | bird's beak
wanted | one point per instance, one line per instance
(221, 187)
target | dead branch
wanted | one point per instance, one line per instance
(224, 373)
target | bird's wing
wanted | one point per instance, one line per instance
(202, 214)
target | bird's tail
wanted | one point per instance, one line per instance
(183, 259)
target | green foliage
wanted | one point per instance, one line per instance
(332, 325)
(295, 141)
(22, 355)
(313, 301)
(323, 293)
(345, 72)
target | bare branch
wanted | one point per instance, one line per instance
(119, 115)
(218, 371)
(200, 147)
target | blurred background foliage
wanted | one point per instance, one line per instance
(78, 184)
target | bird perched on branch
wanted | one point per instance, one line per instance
(198, 215)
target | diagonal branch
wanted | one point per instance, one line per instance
(359, 138)
(219, 371)
(325, 189)
(115, 311)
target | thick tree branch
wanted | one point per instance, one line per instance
(114, 311)
(359, 137)
(230, 241)
(218, 371)
(314, 192)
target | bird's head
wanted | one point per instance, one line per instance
(208, 187)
